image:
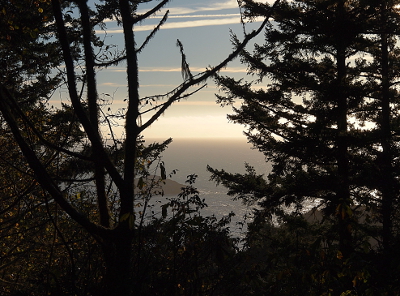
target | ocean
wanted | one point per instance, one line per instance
(191, 156)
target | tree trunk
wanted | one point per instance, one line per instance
(118, 257)
(343, 190)
(386, 182)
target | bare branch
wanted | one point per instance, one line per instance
(76, 103)
(141, 17)
(59, 148)
(92, 97)
(180, 98)
(41, 173)
(152, 34)
(111, 63)
(205, 75)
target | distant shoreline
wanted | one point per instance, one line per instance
(219, 139)
(167, 186)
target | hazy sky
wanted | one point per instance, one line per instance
(203, 27)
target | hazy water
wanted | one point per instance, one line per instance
(191, 156)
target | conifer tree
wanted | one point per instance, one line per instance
(299, 110)
(324, 111)
(382, 107)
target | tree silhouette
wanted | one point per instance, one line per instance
(323, 110)
(303, 117)
(113, 169)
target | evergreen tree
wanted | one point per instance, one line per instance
(381, 108)
(301, 119)
(81, 153)
(324, 112)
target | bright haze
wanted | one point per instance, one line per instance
(203, 27)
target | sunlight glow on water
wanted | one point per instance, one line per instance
(192, 157)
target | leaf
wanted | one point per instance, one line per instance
(349, 211)
(131, 222)
(140, 183)
(164, 210)
(163, 174)
(124, 217)
(33, 34)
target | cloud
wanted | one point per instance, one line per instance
(178, 69)
(112, 84)
(158, 85)
(189, 16)
(202, 15)
(194, 69)
(229, 4)
(194, 127)
(191, 12)
(196, 103)
(221, 5)
(179, 25)
(194, 23)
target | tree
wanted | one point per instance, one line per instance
(382, 75)
(27, 52)
(28, 56)
(323, 111)
(114, 168)
(301, 120)
(185, 253)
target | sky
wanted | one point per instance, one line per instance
(203, 27)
